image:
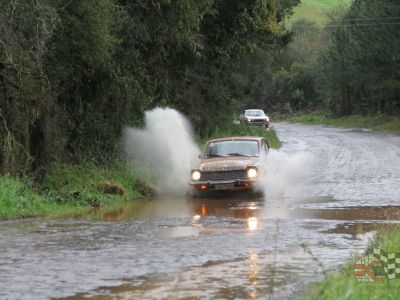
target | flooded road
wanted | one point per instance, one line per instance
(233, 247)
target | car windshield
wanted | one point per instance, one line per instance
(254, 113)
(232, 148)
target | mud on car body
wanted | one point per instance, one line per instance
(232, 163)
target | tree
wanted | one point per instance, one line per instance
(360, 69)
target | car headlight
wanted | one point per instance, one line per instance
(252, 173)
(196, 175)
(267, 118)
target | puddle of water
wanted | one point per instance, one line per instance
(270, 274)
(186, 248)
(230, 247)
(178, 231)
(283, 270)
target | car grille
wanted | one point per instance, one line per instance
(258, 121)
(224, 175)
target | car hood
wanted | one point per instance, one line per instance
(226, 163)
(257, 118)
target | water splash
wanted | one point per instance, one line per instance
(165, 147)
(284, 173)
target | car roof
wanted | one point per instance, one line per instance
(254, 109)
(236, 138)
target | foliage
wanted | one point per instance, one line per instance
(18, 199)
(68, 188)
(81, 184)
(349, 66)
(73, 73)
(295, 87)
(26, 99)
(359, 72)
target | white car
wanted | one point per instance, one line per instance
(255, 117)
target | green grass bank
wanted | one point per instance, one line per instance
(379, 122)
(317, 11)
(344, 285)
(67, 189)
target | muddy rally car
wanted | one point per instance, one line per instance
(229, 164)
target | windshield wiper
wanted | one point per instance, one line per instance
(215, 155)
(237, 154)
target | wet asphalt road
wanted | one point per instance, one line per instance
(226, 248)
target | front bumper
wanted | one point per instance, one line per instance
(221, 185)
(258, 122)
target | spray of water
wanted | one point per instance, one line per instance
(165, 147)
(284, 173)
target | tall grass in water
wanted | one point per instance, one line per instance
(69, 188)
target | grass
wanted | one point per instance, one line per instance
(316, 10)
(245, 130)
(69, 188)
(18, 199)
(343, 284)
(379, 122)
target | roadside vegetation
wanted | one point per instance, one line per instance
(79, 188)
(69, 189)
(345, 66)
(379, 122)
(74, 73)
(344, 285)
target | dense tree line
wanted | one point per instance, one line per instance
(73, 73)
(350, 66)
(361, 70)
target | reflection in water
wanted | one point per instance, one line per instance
(254, 268)
(237, 208)
(196, 218)
(203, 210)
(252, 223)
(196, 248)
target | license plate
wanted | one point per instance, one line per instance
(226, 186)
